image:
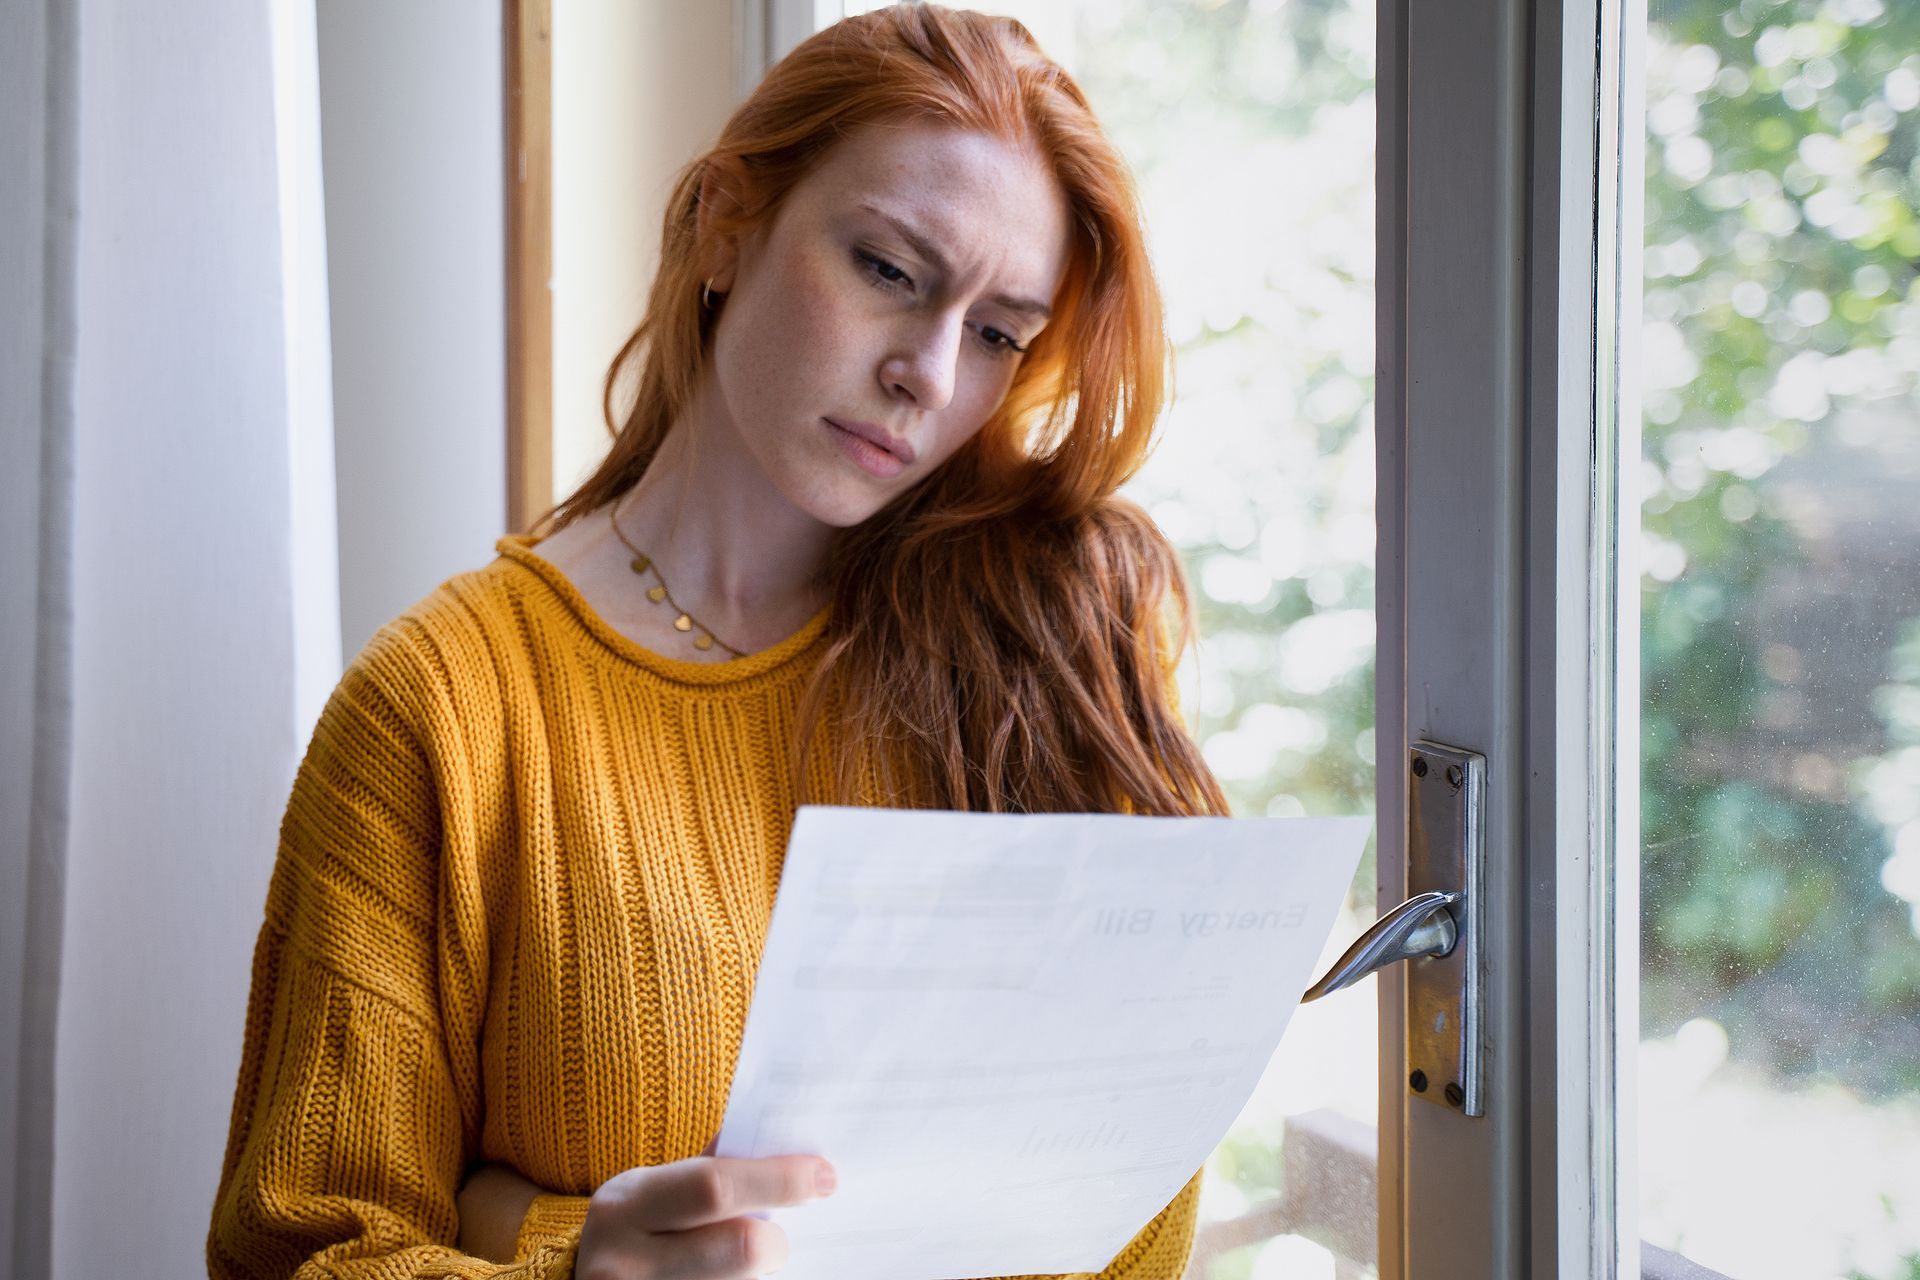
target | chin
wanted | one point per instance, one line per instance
(849, 514)
(841, 506)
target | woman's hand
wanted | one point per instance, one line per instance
(688, 1219)
(492, 1204)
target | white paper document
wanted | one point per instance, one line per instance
(1016, 1037)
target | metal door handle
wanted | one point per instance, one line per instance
(1420, 926)
(1443, 1014)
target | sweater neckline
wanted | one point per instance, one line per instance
(518, 547)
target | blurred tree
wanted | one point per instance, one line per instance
(1782, 335)
(1250, 128)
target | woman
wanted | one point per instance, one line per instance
(857, 541)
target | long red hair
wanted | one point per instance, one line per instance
(1006, 630)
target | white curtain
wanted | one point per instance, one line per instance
(173, 621)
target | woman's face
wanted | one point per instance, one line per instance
(875, 323)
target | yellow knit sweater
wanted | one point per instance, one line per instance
(522, 887)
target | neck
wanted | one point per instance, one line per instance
(734, 549)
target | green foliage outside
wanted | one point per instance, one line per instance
(1910, 1265)
(1781, 348)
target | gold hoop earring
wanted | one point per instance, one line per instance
(706, 293)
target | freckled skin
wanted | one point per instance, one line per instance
(805, 333)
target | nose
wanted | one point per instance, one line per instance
(921, 365)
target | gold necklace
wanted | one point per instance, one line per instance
(683, 621)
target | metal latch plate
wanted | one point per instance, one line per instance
(1446, 839)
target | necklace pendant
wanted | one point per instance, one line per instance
(683, 623)
(640, 564)
(656, 594)
(703, 641)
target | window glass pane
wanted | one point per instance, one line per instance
(1250, 129)
(1779, 1128)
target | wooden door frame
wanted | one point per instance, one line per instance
(528, 52)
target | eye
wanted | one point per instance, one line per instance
(881, 273)
(1002, 344)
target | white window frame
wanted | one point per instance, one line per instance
(1496, 499)
(765, 31)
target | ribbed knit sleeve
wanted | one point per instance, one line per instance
(347, 1143)
(552, 1219)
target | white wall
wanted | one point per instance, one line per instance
(413, 142)
(413, 139)
(638, 90)
(202, 617)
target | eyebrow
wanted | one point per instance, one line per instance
(926, 249)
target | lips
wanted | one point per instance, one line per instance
(876, 436)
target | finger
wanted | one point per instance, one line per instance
(708, 1189)
(737, 1249)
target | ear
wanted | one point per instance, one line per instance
(722, 188)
